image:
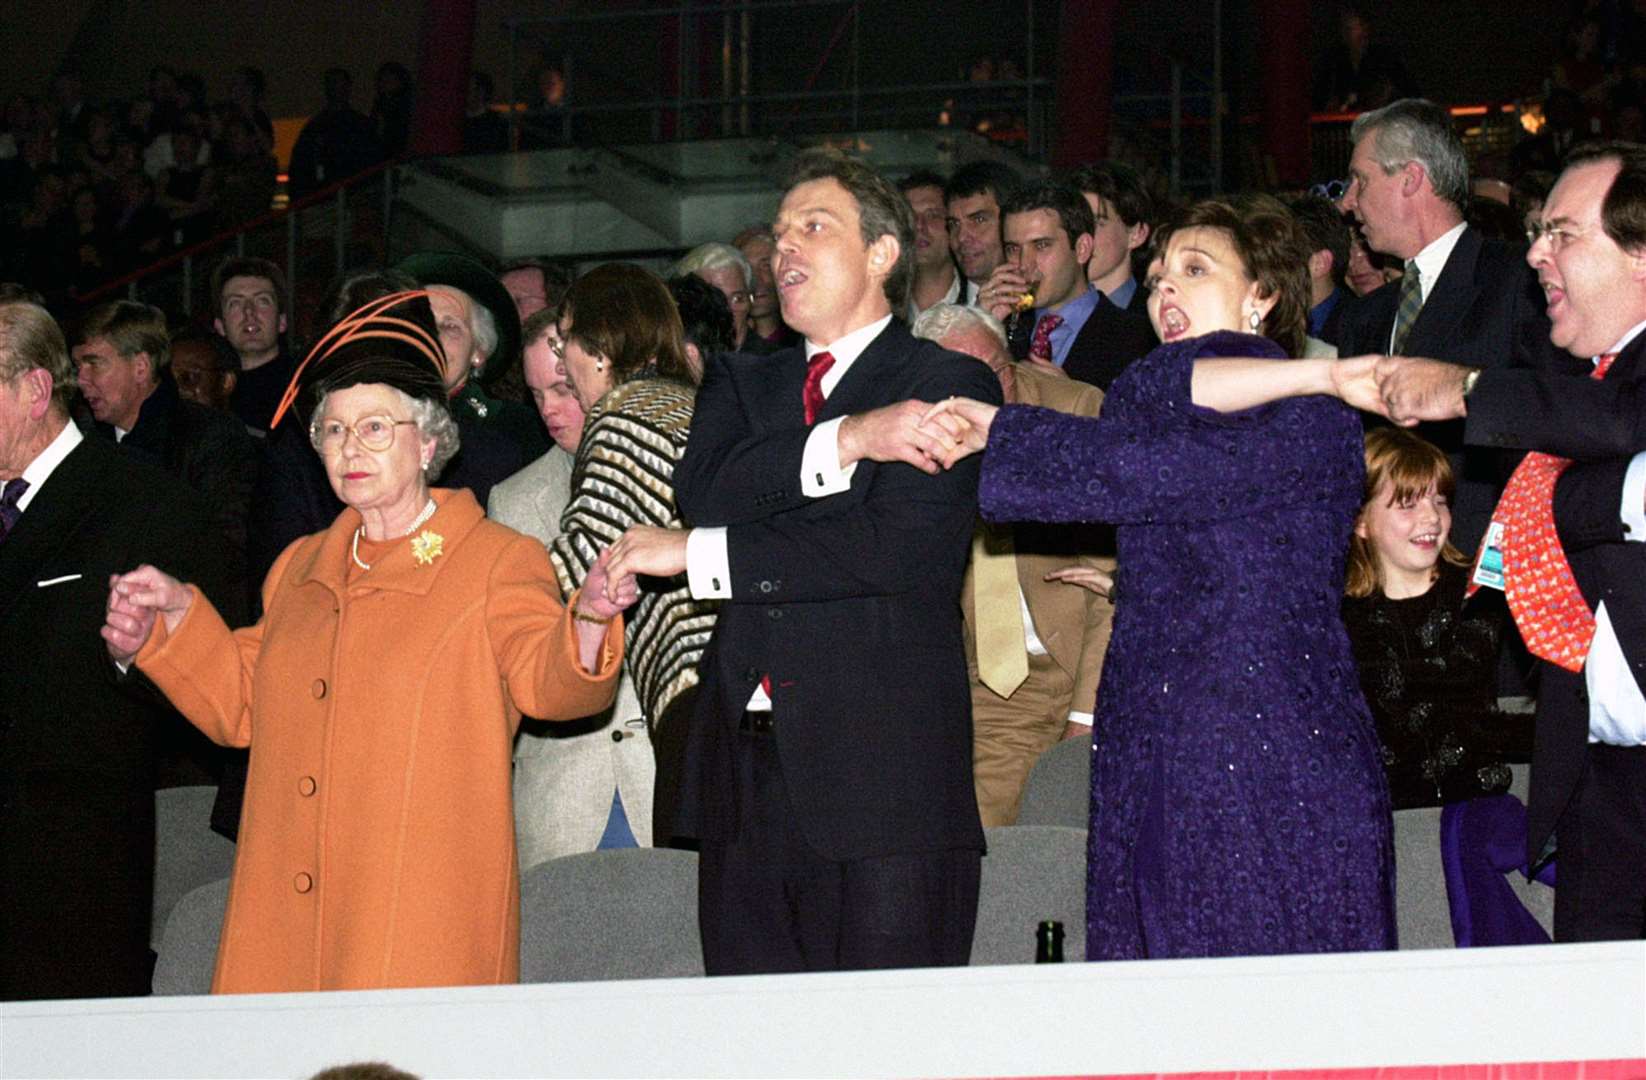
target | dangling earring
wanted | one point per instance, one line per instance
(600, 366)
(1256, 320)
(425, 465)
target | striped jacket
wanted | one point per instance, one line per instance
(623, 476)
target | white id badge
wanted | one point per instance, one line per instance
(1489, 567)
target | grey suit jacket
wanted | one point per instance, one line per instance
(564, 774)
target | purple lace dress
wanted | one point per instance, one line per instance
(1239, 805)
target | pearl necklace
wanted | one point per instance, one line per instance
(354, 548)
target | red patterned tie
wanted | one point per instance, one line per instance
(1041, 347)
(812, 395)
(1554, 619)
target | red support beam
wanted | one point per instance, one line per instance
(1085, 82)
(1283, 28)
(445, 50)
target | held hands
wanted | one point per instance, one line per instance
(965, 424)
(135, 600)
(605, 594)
(644, 549)
(1412, 389)
(897, 432)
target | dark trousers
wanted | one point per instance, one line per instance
(1600, 862)
(768, 902)
(668, 733)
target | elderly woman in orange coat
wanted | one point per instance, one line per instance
(380, 693)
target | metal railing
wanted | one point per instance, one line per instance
(313, 240)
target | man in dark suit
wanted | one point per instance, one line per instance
(1073, 329)
(1329, 237)
(1587, 408)
(1463, 298)
(76, 752)
(829, 775)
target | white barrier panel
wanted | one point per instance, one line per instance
(1537, 1004)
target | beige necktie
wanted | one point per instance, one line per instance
(1002, 660)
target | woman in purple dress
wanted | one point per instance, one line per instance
(1238, 799)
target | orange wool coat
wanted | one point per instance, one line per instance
(377, 840)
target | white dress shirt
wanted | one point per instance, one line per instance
(45, 463)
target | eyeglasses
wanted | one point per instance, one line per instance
(740, 298)
(1557, 235)
(372, 432)
(1331, 189)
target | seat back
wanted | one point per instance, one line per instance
(187, 854)
(188, 948)
(1058, 791)
(625, 913)
(1030, 873)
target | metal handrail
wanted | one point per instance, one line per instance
(184, 257)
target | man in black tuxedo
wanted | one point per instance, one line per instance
(829, 776)
(1464, 299)
(76, 752)
(1588, 405)
(1072, 329)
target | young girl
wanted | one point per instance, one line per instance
(1427, 658)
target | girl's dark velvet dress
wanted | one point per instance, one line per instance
(1238, 799)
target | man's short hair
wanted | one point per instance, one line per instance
(1413, 129)
(921, 178)
(1623, 210)
(881, 208)
(981, 178)
(752, 232)
(1074, 213)
(247, 266)
(131, 328)
(1119, 185)
(1326, 229)
(943, 320)
(705, 317)
(223, 356)
(537, 326)
(558, 275)
(714, 256)
(30, 338)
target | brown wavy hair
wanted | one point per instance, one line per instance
(624, 313)
(1408, 464)
(1274, 250)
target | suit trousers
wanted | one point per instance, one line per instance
(1600, 861)
(769, 902)
(1010, 734)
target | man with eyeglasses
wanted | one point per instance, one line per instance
(725, 267)
(1463, 298)
(1573, 523)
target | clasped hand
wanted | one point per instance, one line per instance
(1405, 389)
(135, 600)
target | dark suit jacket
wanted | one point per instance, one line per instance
(76, 744)
(1484, 311)
(849, 602)
(211, 452)
(1560, 409)
(1111, 339)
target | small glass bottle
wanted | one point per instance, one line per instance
(1048, 942)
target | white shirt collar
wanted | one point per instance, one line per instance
(845, 352)
(1623, 342)
(1432, 259)
(45, 463)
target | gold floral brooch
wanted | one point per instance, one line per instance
(427, 546)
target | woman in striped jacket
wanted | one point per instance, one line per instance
(623, 349)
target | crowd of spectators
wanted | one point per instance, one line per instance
(743, 461)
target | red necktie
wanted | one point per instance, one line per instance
(1554, 619)
(812, 395)
(1041, 347)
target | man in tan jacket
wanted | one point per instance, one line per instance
(1037, 613)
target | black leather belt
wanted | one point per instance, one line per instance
(756, 723)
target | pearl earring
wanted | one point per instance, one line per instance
(1256, 320)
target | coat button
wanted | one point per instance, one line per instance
(302, 883)
(766, 586)
(617, 736)
(306, 786)
(319, 688)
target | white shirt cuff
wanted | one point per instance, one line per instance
(1634, 499)
(708, 567)
(1080, 718)
(820, 471)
